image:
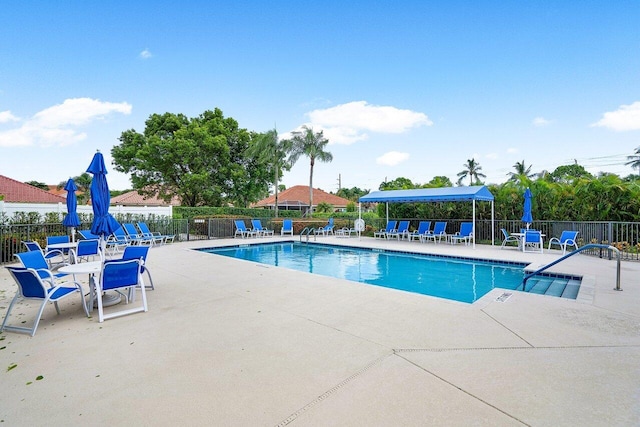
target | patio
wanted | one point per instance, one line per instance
(226, 342)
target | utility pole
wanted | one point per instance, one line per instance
(339, 182)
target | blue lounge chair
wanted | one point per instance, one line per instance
(567, 238)
(32, 287)
(439, 231)
(287, 227)
(136, 237)
(508, 238)
(242, 230)
(161, 238)
(88, 235)
(423, 228)
(382, 233)
(464, 235)
(118, 240)
(259, 229)
(532, 240)
(400, 232)
(327, 229)
(120, 276)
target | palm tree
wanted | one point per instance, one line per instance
(312, 145)
(471, 170)
(634, 160)
(522, 173)
(269, 149)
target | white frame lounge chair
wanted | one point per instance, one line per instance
(567, 238)
(382, 233)
(439, 231)
(259, 229)
(401, 231)
(508, 238)
(287, 227)
(242, 230)
(423, 228)
(465, 234)
(532, 240)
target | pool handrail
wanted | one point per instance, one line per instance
(306, 231)
(572, 253)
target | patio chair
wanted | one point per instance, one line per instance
(49, 255)
(136, 237)
(139, 252)
(35, 260)
(567, 238)
(423, 228)
(120, 276)
(400, 232)
(166, 238)
(465, 234)
(508, 238)
(287, 227)
(327, 229)
(259, 229)
(382, 233)
(533, 241)
(87, 249)
(118, 240)
(242, 229)
(32, 287)
(88, 235)
(439, 231)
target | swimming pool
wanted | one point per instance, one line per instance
(459, 279)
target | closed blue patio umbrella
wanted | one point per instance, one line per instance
(103, 223)
(527, 217)
(71, 218)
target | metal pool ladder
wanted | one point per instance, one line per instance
(585, 247)
(306, 231)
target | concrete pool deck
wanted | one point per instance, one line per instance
(233, 343)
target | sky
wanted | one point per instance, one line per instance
(407, 89)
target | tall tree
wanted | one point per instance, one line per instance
(522, 174)
(202, 160)
(273, 152)
(312, 145)
(634, 160)
(472, 170)
(439, 181)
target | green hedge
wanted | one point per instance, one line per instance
(185, 212)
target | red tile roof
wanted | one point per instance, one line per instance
(298, 195)
(19, 192)
(133, 198)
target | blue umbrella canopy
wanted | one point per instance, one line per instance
(71, 219)
(103, 223)
(527, 217)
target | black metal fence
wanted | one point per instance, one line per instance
(623, 235)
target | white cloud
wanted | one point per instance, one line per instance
(350, 122)
(541, 121)
(58, 125)
(146, 54)
(392, 158)
(512, 150)
(491, 156)
(7, 116)
(627, 117)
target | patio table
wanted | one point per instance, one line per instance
(91, 268)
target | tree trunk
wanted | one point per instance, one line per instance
(311, 188)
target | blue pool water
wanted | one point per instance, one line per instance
(457, 279)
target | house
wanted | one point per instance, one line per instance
(133, 198)
(297, 198)
(18, 192)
